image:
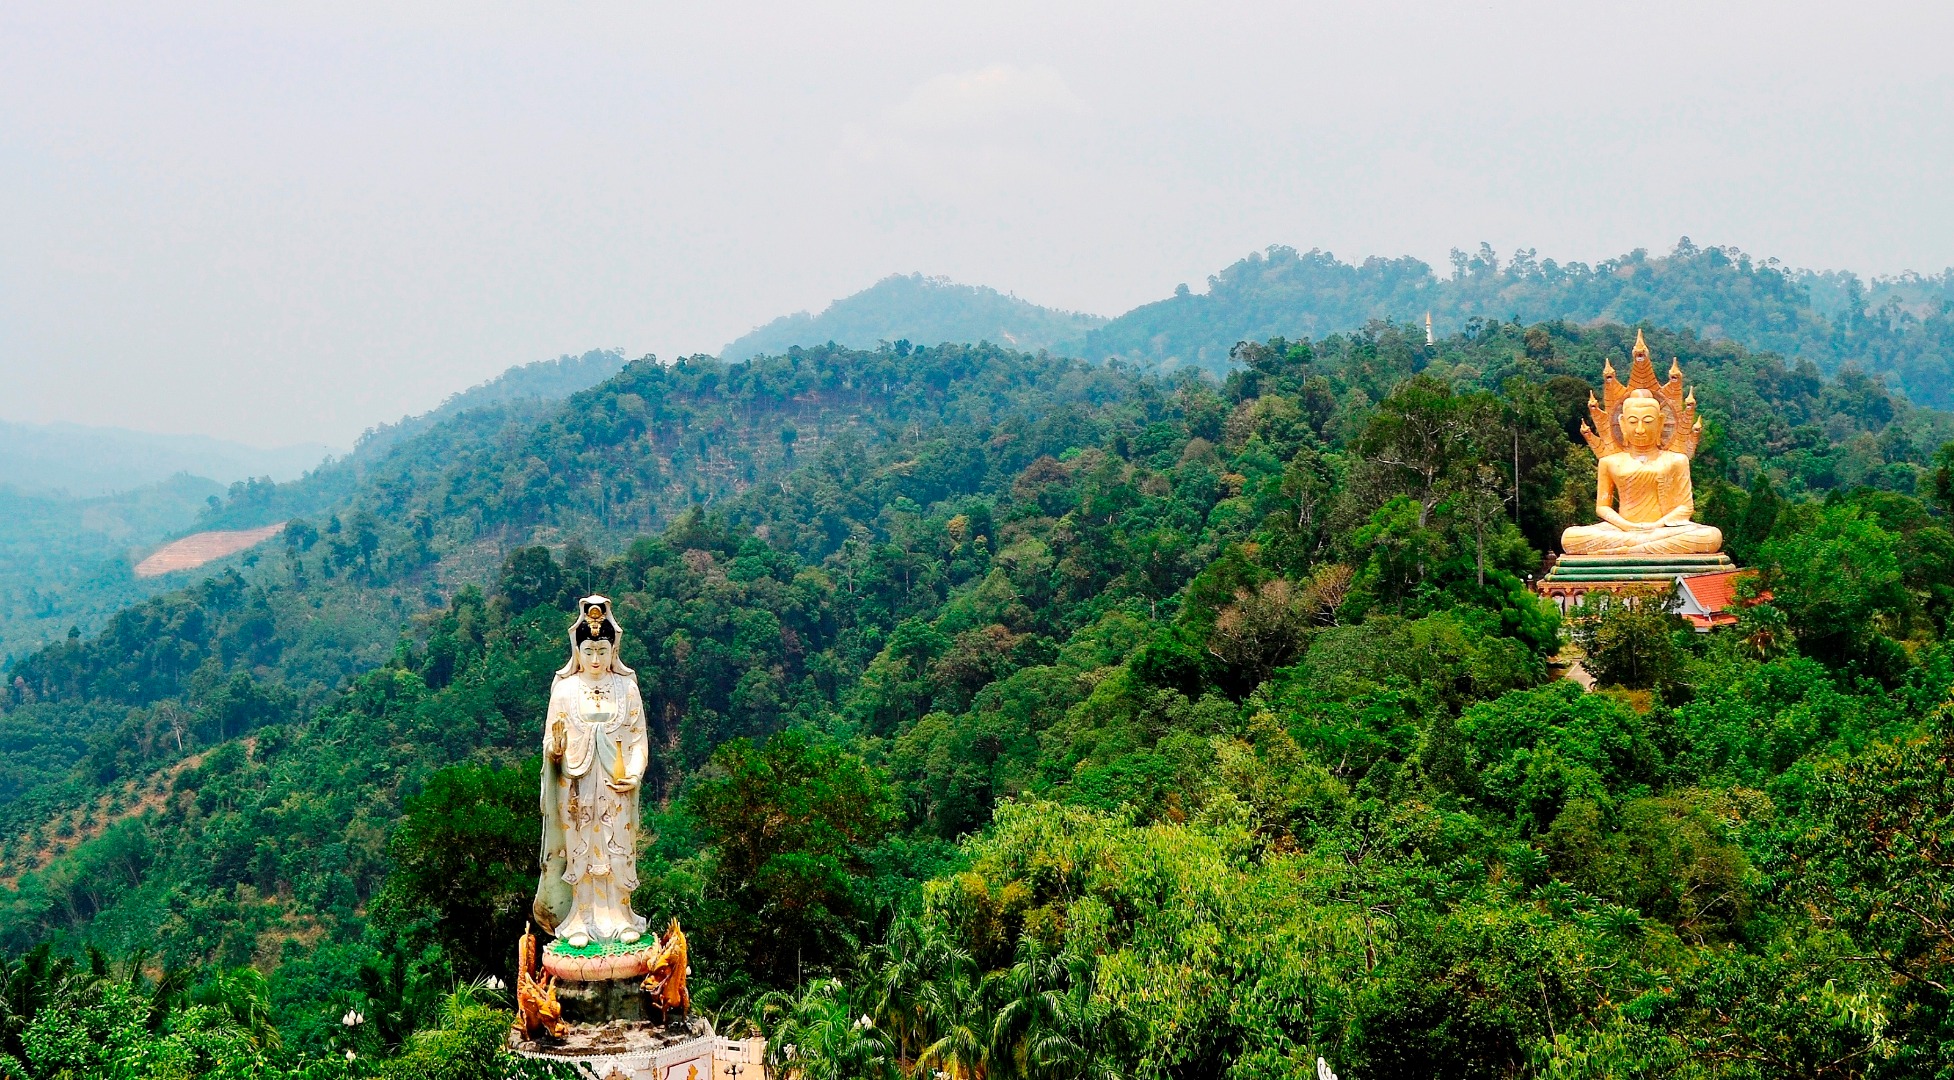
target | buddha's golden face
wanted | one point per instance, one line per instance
(1641, 423)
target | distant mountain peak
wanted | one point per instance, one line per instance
(543, 380)
(925, 309)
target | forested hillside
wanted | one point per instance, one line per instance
(1018, 716)
(66, 563)
(1898, 328)
(412, 523)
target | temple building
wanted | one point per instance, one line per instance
(1710, 600)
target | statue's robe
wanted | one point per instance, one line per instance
(1644, 491)
(590, 829)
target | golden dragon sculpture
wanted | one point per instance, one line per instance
(665, 981)
(536, 1004)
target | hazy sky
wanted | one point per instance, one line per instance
(285, 222)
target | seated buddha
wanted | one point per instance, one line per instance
(1642, 489)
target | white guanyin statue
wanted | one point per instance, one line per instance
(594, 752)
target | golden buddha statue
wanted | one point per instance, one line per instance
(1643, 435)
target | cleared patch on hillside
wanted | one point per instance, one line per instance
(76, 826)
(195, 550)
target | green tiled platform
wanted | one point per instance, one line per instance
(1597, 568)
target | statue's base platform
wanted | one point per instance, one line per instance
(630, 1049)
(600, 961)
(604, 1000)
(1573, 577)
(1636, 567)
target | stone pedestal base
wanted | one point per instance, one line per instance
(631, 1050)
(602, 1001)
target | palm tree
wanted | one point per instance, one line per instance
(1087, 1032)
(166, 995)
(1030, 992)
(954, 1010)
(243, 997)
(41, 980)
(913, 956)
(816, 1035)
(400, 997)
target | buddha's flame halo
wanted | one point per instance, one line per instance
(1680, 423)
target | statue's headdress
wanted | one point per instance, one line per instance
(595, 622)
(1682, 430)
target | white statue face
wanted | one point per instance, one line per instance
(1641, 423)
(594, 657)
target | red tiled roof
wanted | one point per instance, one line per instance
(1706, 622)
(1716, 592)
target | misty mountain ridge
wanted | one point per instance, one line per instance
(66, 562)
(82, 461)
(1896, 327)
(924, 310)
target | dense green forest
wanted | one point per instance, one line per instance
(1023, 717)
